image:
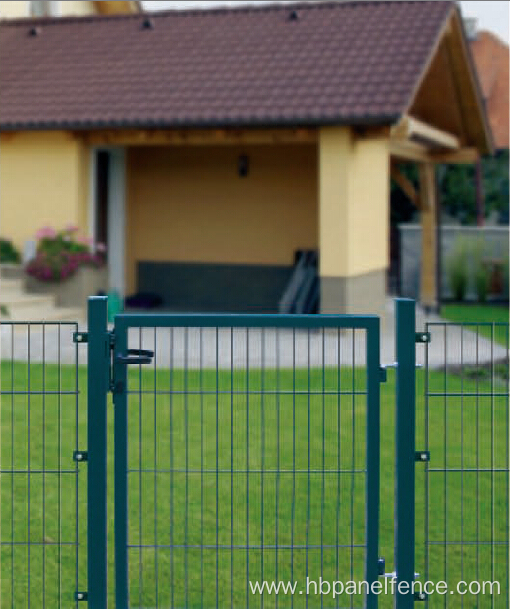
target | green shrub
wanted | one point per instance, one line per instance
(8, 253)
(506, 294)
(481, 274)
(457, 269)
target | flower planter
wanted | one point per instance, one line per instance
(73, 291)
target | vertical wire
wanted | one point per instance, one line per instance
(12, 465)
(262, 458)
(462, 456)
(140, 563)
(338, 455)
(247, 466)
(217, 469)
(232, 468)
(277, 346)
(477, 441)
(445, 423)
(156, 549)
(29, 457)
(353, 451)
(508, 463)
(427, 473)
(308, 462)
(201, 382)
(186, 456)
(59, 450)
(323, 457)
(293, 507)
(492, 460)
(44, 464)
(77, 405)
(172, 352)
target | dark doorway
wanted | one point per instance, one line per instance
(102, 189)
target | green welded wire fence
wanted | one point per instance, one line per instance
(464, 490)
(42, 491)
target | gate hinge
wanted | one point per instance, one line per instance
(422, 456)
(80, 337)
(81, 596)
(381, 566)
(383, 377)
(423, 337)
(80, 455)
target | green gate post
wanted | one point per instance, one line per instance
(373, 458)
(98, 360)
(405, 452)
(121, 470)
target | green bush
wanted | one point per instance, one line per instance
(481, 274)
(8, 253)
(457, 269)
(506, 279)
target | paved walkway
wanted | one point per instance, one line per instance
(450, 344)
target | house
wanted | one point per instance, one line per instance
(208, 148)
(491, 57)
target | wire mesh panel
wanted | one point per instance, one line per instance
(42, 563)
(465, 486)
(246, 461)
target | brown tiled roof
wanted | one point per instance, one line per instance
(326, 63)
(491, 57)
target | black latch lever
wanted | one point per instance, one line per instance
(136, 356)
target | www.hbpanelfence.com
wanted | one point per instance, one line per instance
(387, 587)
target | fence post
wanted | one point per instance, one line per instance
(405, 452)
(98, 362)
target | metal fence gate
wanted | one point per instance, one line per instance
(247, 450)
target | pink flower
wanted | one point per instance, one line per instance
(70, 228)
(101, 248)
(45, 233)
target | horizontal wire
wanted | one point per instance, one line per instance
(242, 547)
(245, 471)
(244, 393)
(39, 471)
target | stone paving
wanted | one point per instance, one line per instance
(451, 344)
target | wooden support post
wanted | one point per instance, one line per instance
(428, 291)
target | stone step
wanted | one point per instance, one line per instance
(11, 287)
(26, 306)
(11, 271)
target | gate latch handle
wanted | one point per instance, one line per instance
(136, 356)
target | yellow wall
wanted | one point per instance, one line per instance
(43, 182)
(353, 203)
(187, 204)
(78, 8)
(17, 8)
(13, 9)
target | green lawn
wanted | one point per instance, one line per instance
(481, 314)
(204, 423)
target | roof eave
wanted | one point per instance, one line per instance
(354, 121)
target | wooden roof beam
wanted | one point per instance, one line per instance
(412, 129)
(405, 185)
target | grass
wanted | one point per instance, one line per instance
(481, 314)
(204, 422)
